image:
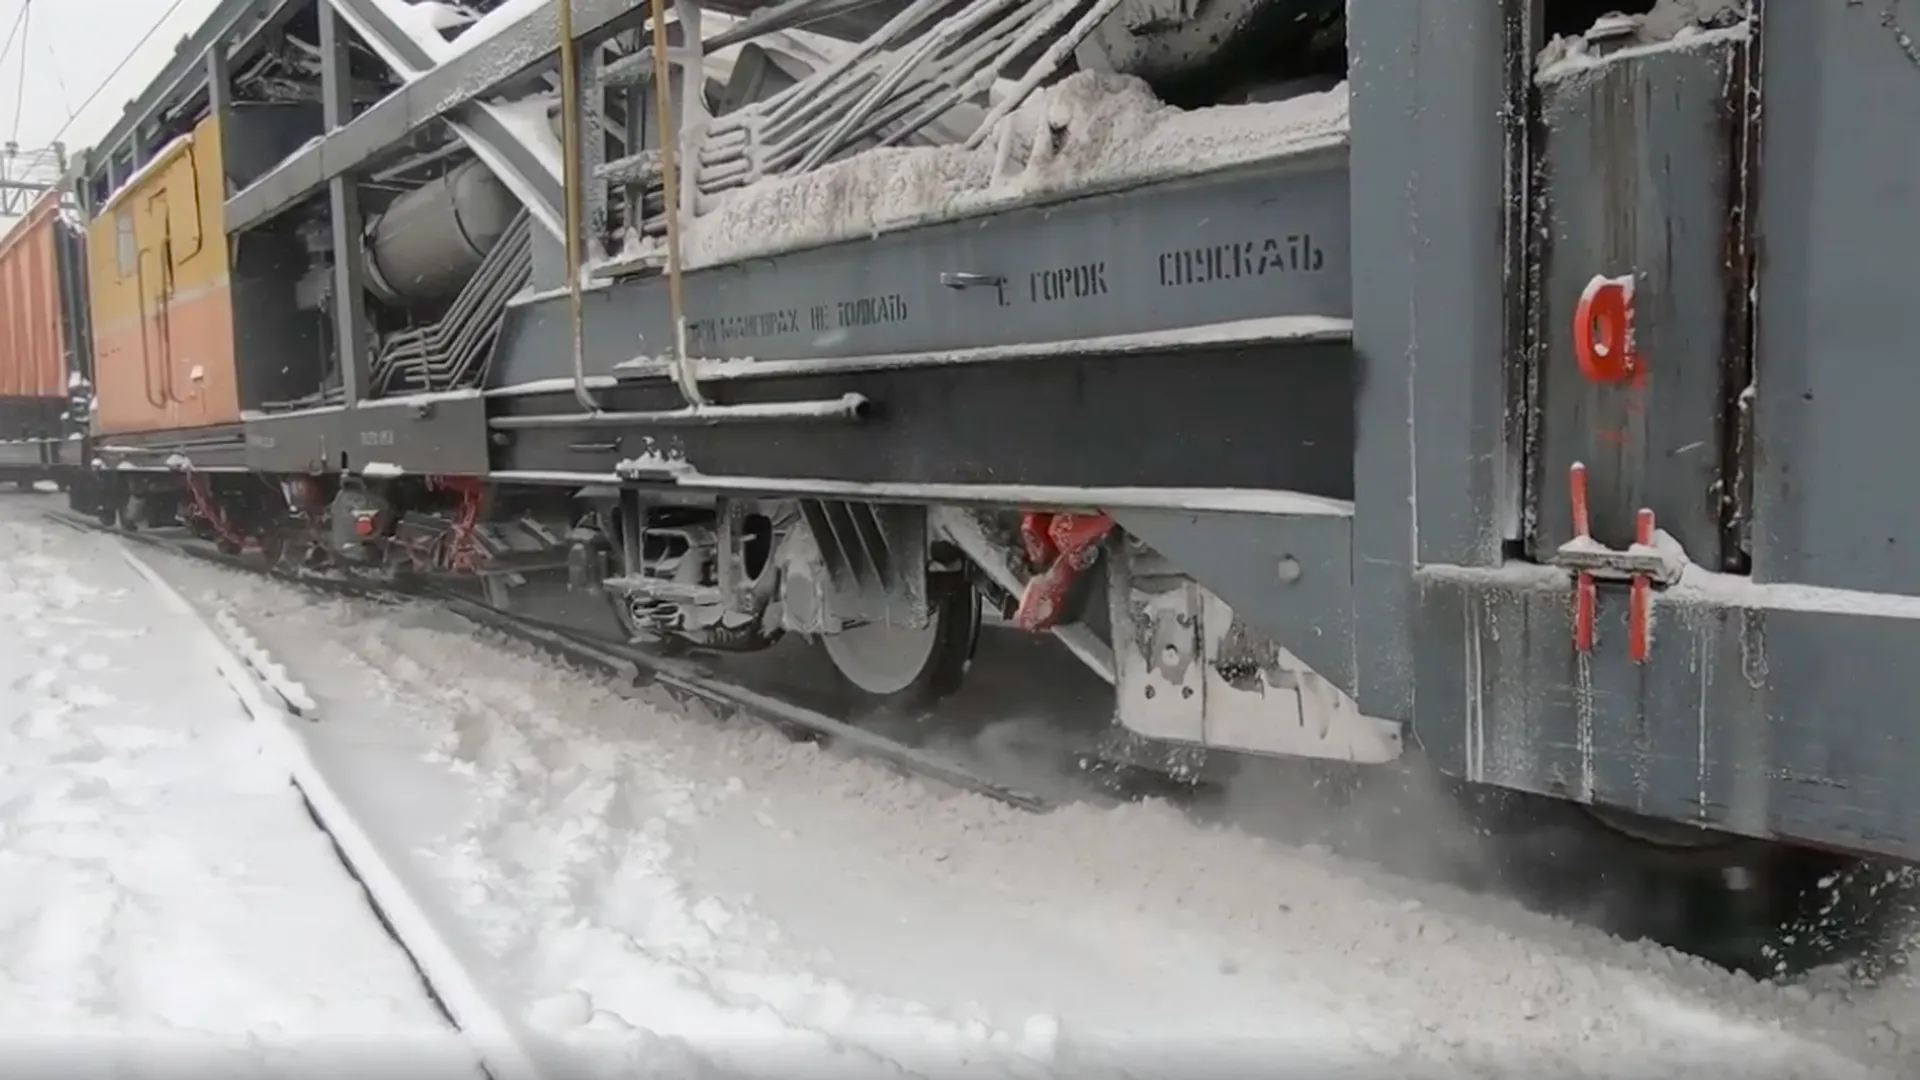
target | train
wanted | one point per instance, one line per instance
(45, 388)
(1337, 381)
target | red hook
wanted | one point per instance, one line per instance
(1603, 331)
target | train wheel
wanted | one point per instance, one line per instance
(273, 547)
(912, 667)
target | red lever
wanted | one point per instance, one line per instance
(1640, 593)
(1603, 331)
(1062, 545)
(1585, 595)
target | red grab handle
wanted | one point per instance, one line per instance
(1603, 331)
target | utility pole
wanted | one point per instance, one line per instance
(18, 192)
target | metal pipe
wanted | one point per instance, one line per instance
(846, 407)
(669, 178)
(570, 182)
(693, 105)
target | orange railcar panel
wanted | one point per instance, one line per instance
(162, 303)
(33, 360)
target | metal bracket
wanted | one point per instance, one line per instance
(1641, 566)
(954, 279)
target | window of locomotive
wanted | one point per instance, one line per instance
(126, 246)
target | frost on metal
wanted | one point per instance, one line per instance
(1672, 25)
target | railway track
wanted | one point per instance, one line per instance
(628, 667)
(277, 704)
(503, 1038)
(281, 707)
(1627, 891)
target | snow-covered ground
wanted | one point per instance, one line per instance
(657, 893)
(165, 901)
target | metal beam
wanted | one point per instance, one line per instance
(527, 165)
(349, 256)
(18, 196)
(185, 73)
(220, 106)
(461, 80)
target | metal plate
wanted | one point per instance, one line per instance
(1637, 160)
(441, 436)
(220, 447)
(1269, 417)
(1256, 243)
(1760, 719)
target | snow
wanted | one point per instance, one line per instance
(1088, 132)
(165, 902)
(1221, 500)
(552, 385)
(422, 20)
(1569, 57)
(161, 158)
(659, 893)
(530, 119)
(493, 23)
(1701, 586)
(257, 680)
(443, 16)
(1271, 328)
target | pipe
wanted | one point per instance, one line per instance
(693, 107)
(846, 407)
(669, 178)
(570, 181)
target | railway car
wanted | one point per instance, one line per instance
(1339, 382)
(45, 358)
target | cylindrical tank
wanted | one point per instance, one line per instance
(431, 240)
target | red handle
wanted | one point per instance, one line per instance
(1603, 331)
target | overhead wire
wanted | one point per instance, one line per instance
(20, 87)
(119, 67)
(19, 18)
(19, 22)
(66, 96)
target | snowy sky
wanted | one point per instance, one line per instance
(68, 48)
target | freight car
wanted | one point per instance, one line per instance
(1336, 380)
(45, 358)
